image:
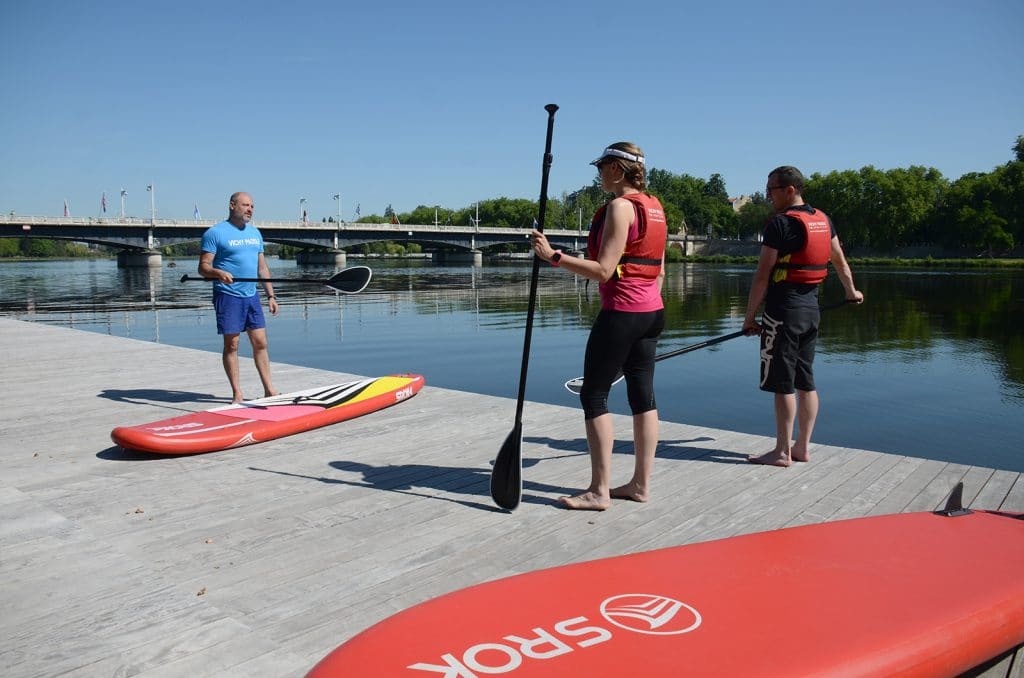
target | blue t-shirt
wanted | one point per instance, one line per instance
(237, 251)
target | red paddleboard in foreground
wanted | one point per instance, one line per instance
(916, 594)
(256, 421)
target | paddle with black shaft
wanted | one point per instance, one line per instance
(350, 281)
(507, 475)
(576, 385)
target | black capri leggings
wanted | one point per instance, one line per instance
(621, 342)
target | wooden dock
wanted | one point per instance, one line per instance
(260, 560)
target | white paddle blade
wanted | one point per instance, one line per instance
(576, 385)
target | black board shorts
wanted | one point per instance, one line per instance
(788, 339)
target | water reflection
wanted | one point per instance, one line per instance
(932, 364)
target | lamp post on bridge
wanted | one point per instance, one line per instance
(124, 194)
(152, 203)
(337, 196)
(302, 211)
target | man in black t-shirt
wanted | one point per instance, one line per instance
(799, 242)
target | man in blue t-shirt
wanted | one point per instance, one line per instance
(234, 248)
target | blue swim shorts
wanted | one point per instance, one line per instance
(238, 314)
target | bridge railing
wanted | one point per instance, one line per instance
(404, 229)
(100, 221)
(14, 219)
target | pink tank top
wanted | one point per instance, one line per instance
(633, 295)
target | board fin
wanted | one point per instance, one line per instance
(955, 503)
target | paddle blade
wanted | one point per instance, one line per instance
(507, 475)
(575, 385)
(351, 280)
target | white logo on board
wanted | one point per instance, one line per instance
(635, 612)
(650, 614)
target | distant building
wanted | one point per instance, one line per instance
(738, 203)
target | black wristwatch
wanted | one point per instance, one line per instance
(556, 258)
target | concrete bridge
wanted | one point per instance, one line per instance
(139, 240)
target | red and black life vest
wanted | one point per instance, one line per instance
(810, 264)
(642, 257)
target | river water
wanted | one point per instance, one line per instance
(932, 365)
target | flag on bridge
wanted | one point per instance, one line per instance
(357, 210)
(195, 211)
(65, 206)
(103, 202)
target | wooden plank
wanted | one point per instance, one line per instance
(1015, 498)
(995, 491)
(297, 544)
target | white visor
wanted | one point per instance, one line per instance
(616, 153)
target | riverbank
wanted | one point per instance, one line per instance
(880, 262)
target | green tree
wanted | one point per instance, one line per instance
(9, 247)
(839, 195)
(703, 206)
(715, 188)
(986, 228)
(425, 215)
(580, 206)
(985, 210)
(752, 217)
(1008, 197)
(37, 247)
(511, 213)
(880, 209)
(908, 205)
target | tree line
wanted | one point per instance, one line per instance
(878, 209)
(872, 208)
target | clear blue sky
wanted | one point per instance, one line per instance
(441, 102)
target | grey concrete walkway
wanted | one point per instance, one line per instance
(260, 560)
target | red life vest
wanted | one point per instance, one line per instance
(642, 257)
(808, 265)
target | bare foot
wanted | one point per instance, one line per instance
(772, 458)
(629, 491)
(588, 501)
(799, 455)
(267, 394)
(237, 398)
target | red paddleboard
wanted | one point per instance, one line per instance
(915, 594)
(256, 421)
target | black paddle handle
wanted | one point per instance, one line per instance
(694, 347)
(507, 474)
(188, 277)
(535, 272)
(733, 335)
